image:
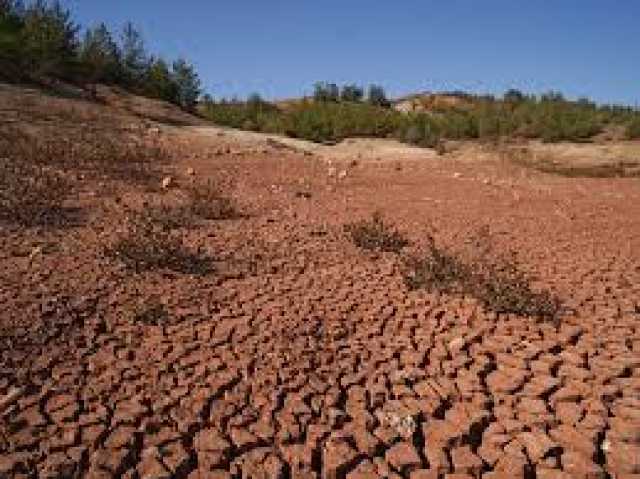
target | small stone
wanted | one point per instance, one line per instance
(11, 397)
(9, 462)
(242, 438)
(191, 171)
(579, 465)
(167, 182)
(121, 437)
(34, 252)
(337, 457)
(151, 467)
(465, 461)
(424, 474)
(174, 457)
(403, 456)
(537, 444)
(456, 344)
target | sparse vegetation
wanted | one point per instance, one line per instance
(170, 217)
(146, 245)
(152, 313)
(620, 169)
(494, 281)
(207, 201)
(436, 270)
(376, 235)
(617, 169)
(100, 153)
(32, 195)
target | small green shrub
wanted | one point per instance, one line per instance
(632, 131)
(376, 235)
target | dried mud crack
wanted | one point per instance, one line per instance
(318, 361)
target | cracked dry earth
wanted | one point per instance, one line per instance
(321, 363)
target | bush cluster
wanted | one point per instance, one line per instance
(633, 129)
(335, 114)
(40, 42)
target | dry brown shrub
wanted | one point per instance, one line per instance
(494, 280)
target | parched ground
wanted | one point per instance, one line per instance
(318, 361)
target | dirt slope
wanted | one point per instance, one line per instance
(303, 356)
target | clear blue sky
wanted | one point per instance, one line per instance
(279, 48)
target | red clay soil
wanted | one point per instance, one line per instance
(317, 361)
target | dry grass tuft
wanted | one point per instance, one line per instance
(547, 164)
(32, 195)
(151, 312)
(376, 235)
(496, 282)
(147, 245)
(209, 202)
(96, 153)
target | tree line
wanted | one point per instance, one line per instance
(335, 113)
(39, 41)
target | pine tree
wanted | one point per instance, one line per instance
(134, 61)
(10, 41)
(187, 83)
(100, 55)
(159, 82)
(377, 96)
(352, 93)
(48, 40)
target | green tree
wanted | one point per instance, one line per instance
(11, 25)
(134, 56)
(352, 93)
(377, 96)
(187, 84)
(513, 96)
(326, 92)
(100, 55)
(48, 40)
(159, 82)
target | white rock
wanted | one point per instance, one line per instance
(35, 252)
(167, 182)
(456, 344)
(191, 171)
(12, 396)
